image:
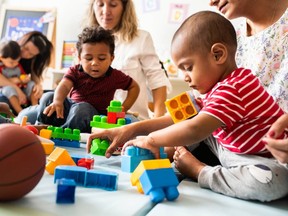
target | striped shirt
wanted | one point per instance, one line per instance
(246, 110)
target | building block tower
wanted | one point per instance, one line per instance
(115, 118)
(182, 106)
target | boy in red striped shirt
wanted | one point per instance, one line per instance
(237, 113)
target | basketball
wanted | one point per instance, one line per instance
(22, 161)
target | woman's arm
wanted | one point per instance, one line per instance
(159, 98)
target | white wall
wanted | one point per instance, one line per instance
(71, 12)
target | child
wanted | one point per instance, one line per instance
(19, 88)
(237, 112)
(90, 85)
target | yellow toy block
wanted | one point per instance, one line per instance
(182, 107)
(147, 165)
(45, 133)
(47, 144)
(59, 156)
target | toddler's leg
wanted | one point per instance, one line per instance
(245, 176)
(79, 117)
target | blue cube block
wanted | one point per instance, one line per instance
(65, 191)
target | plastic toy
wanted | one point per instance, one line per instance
(88, 178)
(71, 172)
(101, 179)
(65, 137)
(182, 107)
(115, 118)
(18, 146)
(65, 191)
(134, 155)
(157, 179)
(86, 162)
(59, 156)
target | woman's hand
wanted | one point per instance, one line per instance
(145, 142)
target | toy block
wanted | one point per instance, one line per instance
(59, 156)
(45, 133)
(101, 122)
(101, 179)
(47, 144)
(66, 134)
(65, 191)
(134, 155)
(147, 165)
(115, 106)
(76, 157)
(86, 162)
(78, 174)
(67, 143)
(99, 146)
(160, 183)
(182, 107)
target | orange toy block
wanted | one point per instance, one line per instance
(59, 156)
(182, 107)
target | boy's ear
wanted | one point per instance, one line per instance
(219, 52)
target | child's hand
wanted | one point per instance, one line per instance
(15, 80)
(55, 106)
(25, 78)
(145, 142)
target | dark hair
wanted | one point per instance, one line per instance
(96, 35)
(10, 49)
(205, 28)
(38, 63)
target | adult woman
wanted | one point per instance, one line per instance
(35, 57)
(134, 53)
(262, 41)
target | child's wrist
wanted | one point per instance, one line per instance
(151, 140)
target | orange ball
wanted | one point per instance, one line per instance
(22, 161)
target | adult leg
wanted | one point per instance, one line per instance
(244, 176)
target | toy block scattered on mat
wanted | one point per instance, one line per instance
(88, 178)
(65, 191)
(65, 137)
(157, 179)
(59, 156)
(182, 106)
(134, 155)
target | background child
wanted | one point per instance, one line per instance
(90, 85)
(237, 112)
(21, 91)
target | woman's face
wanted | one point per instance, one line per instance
(29, 50)
(231, 9)
(108, 13)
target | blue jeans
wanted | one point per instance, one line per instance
(76, 115)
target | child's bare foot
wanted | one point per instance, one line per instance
(186, 163)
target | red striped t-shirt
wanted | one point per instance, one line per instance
(246, 110)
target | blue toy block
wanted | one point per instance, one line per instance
(101, 179)
(134, 155)
(71, 172)
(65, 191)
(67, 143)
(160, 183)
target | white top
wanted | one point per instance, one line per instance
(266, 54)
(139, 60)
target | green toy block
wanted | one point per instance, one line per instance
(99, 146)
(67, 134)
(115, 106)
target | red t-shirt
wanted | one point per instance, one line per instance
(246, 110)
(96, 91)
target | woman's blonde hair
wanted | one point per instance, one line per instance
(127, 28)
